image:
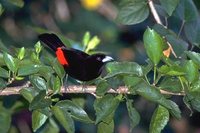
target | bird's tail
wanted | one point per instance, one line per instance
(51, 40)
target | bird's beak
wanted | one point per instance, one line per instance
(107, 59)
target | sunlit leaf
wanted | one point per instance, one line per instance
(64, 119)
(159, 120)
(38, 119)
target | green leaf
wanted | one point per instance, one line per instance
(171, 84)
(153, 44)
(195, 86)
(104, 127)
(159, 120)
(172, 70)
(56, 85)
(76, 111)
(38, 83)
(173, 108)
(40, 101)
(29, 93)
(123, 68)
(193, 35)
(50, 127)
(58, 69)
(105, 106)
(3, 84)
(169, 5)
(102, 87)
(178, 44)
(186, 10)
(1, 9)
(9, 60)
(146, 69)
(92, 44)
(133, 12)
(38, 47)
(64, 118)
(134, 116)
(149, 92)
(194, 100)
(192, 72)
(5, 119)
(131, 82)
(28, 70)
(21, 53)
(4, 73)
(86, 39)
(195, 57)
(19, 3)
(38, 119)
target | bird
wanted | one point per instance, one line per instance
(77, 64)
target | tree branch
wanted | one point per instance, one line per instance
(80, 89)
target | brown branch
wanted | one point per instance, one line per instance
(157, 19)
(80, 89)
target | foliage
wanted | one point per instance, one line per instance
(46, 78)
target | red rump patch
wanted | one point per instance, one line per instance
(61, 57)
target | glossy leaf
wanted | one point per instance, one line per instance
(153, 44)
(169, 5)
(19, 3)
(131, 82)
(39, 101)
(74, 110)
(134, 116)
(159, 120)
(195, 86)
(133, 12)
(194, 100)
(173, 109)
(64, 119)
(21, 53)
(104, 127)
(192, 72)
(172, 70)
(123, 68)
(171, 84)
(50, 127)
(195, 57)
(38, 82)
(9, 60)
(3, 84)
(86, 39)
(92, 44)
(56, 85)
(102, 87)
(29, 93)
(105, 106)
(28, 70)
(5, 119)
(58, 69)
(4, 73)
(38, 120)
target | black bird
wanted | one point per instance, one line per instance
(77, 64)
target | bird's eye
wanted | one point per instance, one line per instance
(99, 58)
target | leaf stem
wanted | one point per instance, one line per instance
(181, 28)
(154, 75)
(181, 83)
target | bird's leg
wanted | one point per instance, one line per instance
(65, 84)
(84, 86)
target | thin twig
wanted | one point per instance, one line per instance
(157, 18)
(79, 89)
(181, 28)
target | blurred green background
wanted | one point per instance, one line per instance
(20, 26)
